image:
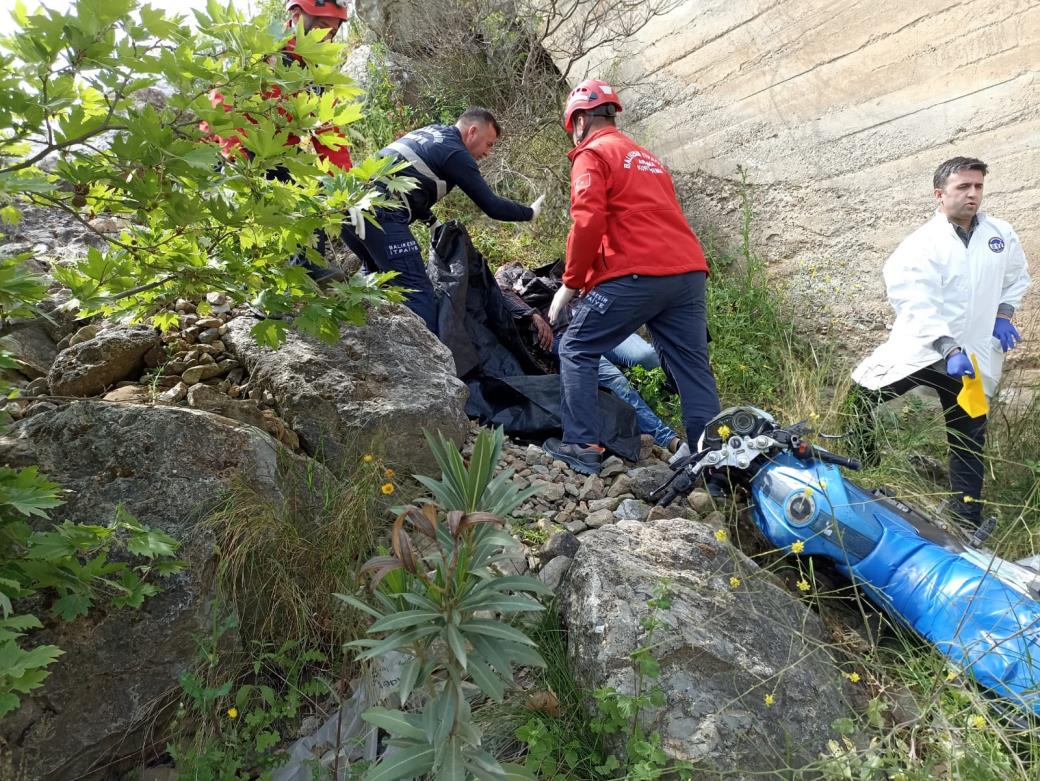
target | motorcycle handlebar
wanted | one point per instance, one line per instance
(833, 458)
(803, 449)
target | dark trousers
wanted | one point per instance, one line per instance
(674, 311)
(966, 435)
(394, 248)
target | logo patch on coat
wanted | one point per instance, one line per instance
(996, 244)
(583, 182)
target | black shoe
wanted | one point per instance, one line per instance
(585, 460)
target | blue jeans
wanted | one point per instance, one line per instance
(675, 312)
(634, 351)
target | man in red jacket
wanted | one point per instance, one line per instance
(327, 15)
(636, 262)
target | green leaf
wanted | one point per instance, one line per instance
(27, 492)
(397, 723)
(357, 603)
(456, 644)
(450, 766)
(72, 606)
(270, 332)
(8, 703)
(410, 762)
(409, 676)
(405, 619)
(486, 679)
(495, 629)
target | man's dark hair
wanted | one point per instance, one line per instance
(955, 165)
(476, 114)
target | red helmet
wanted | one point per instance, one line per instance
(587, 95)
(333, 8)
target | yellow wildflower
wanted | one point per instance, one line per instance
(807, 491)
(803, 585)
(232, 713)
(734, 582)
(977, 722)
(368, 458)
(797, 546)
(769, 700)
(724, 431)
(951, 675)
(823, 484)
(853, 677)
(967, 499)
(389, 472)
(720, 535)
(387, 488)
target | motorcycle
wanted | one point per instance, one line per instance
(978, 610)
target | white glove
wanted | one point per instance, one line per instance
(536, 207)
(357, 219)
(559, 303)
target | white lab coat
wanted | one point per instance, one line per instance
(939, 287)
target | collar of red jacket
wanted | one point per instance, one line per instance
(590, 138)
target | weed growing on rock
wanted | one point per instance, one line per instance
(234, 711)
(281, 561)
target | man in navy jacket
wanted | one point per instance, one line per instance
(440, 157)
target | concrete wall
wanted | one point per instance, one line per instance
(839, 113)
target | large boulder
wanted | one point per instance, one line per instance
(89, 367)
(724, 647)
(377, 387)
(168, 467)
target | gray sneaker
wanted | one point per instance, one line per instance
(585, 460)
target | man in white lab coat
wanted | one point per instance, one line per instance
(954, 284)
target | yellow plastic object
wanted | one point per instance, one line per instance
(972, 397)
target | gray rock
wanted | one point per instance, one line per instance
(562, 543)
(646, 478)
(174, 395)
(610, 503)
(612, 466)
(379, 386)
(38, 387)
(721, 650)
(593, 488)
(115, 354)
(515, 562)
(632, 510)
(622, 485)
(33, 350)
(575, 527)
(599, 518)
(701, 502)
(204, 371)
(552, 573)
(535, 456)
(84, 334)
(208, 398)
(549, 492)
(168, 466)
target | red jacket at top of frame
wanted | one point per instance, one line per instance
(229, 145)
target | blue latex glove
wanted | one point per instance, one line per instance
(959, 365)
(1005, 331)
